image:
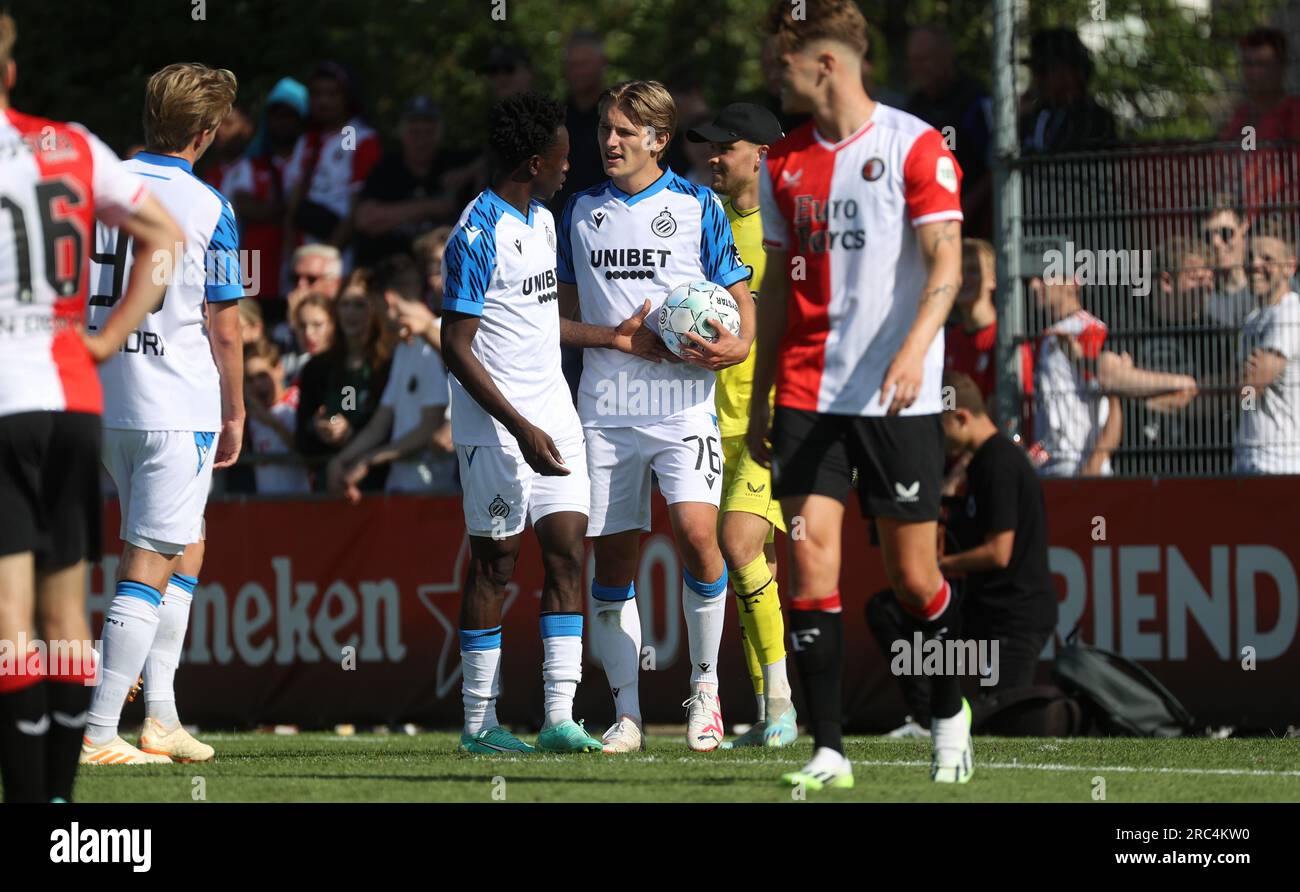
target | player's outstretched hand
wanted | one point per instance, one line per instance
(633, 336)
(229, 442)
(727, 351)
(541, 453)
(757, 438)
(904, 379)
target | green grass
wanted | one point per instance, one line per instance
(324, 767)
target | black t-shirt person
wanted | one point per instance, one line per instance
(1004, 493)
(392, 181)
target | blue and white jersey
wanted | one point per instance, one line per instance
(164, 377)
(621, 249)
(500, 266)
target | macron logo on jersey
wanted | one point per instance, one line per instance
(472, 233)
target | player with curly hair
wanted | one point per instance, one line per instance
(516, 432)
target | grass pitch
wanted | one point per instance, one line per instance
(324, 767)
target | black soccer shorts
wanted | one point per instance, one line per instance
(899, 460)
(49, 487)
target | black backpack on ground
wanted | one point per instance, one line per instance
(1119, 697)
(1034, 711)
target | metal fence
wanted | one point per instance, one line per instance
(1126, 288)
(1136, 290)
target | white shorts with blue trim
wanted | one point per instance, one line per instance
(162, 480)
(501, 492)
(683, 451)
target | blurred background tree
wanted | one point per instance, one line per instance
(1166, 68)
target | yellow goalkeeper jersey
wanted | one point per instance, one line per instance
(736, 384)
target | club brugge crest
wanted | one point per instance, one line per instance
(664, 225)
(550, 239)
(873, 170)
(498, 508)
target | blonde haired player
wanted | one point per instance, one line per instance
(738, 141)
(173, 412)
(623, 246)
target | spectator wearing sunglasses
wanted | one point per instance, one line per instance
(1224, 234)
(313, 269)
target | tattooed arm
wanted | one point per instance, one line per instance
(941, 250)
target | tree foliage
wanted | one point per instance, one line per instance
(88, 61)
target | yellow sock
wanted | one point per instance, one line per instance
(760, 611)
(751, 658)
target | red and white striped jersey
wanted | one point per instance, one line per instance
(1069, 407)
(846, 214)
(337, 163)
(55, 178)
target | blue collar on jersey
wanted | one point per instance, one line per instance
(508, 208)
(657, 186)
(164, 160)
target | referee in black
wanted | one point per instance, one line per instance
(1000, 527)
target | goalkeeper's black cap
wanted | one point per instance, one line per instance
(740, 120)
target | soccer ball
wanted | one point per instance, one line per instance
(689, 307)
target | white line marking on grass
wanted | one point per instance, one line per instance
(703, 759)
(1016, 766)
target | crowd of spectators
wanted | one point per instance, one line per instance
(347, 236)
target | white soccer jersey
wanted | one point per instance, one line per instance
(55, 179)
(1268, 440)
(500, 266)
(164, 378)
(337, 163)
(1069, 409)
(849, 211)
(416, 381)
(278, 479)
(621, 249)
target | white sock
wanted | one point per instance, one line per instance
(830, 760)
(704, 606)
(480, 666)
(949, 732)
(129, 627)
(165, 655)
(616, 638)
(561, 664)
(777, 687)
(762, 707)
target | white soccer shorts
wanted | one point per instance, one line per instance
(501, 492)
(685, 453)
(162, 480)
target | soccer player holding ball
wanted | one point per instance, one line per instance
(862, 221)
(624, 245)
(517, 436)
(739, 141)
